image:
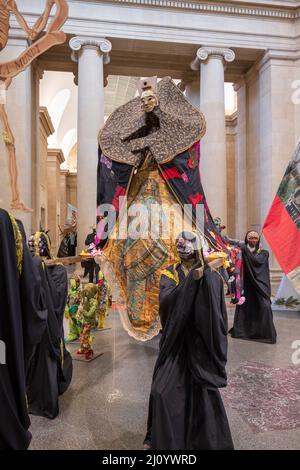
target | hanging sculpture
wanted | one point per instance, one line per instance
(149, 160)
(8, 70)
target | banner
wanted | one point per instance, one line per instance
(282, 225)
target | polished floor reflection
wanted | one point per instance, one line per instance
(106, 405)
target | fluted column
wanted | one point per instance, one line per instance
(91, 54)
(211, 62)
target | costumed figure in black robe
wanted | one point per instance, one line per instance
(186, 411)
(50, 370)
(254, 319)
(68, 244)
(23, 317)
(91, 268)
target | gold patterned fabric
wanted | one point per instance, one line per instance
(18, 242)
(42, 244)
(138, 264)
(180, 126)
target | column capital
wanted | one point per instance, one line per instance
(103, 45)
(55, 156)
(204, 53)
(239, 84)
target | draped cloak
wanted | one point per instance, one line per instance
(23, 316)
(50, 371)
(186, 411)
(254, 319)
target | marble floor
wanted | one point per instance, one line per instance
(106, 404)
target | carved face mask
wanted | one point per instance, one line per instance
(185, 249)
(149, 101)
(218, 224)
(252, 239)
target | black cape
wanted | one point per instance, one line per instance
(254, 319)
(22, 323)
(185, 408)
(66, 247)
(50, 370)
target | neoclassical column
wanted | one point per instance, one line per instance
(231, 144)
(38, 121)
(253, 172)
(211, 62)
(278, 132)
(91, 55)
(55, 158)
(63, 195)
(46, 129)
(241, 160)
(278, 129)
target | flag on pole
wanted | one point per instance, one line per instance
(282, 225)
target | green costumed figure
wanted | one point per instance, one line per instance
(86, 342)
(104, 298)
(73, 302)
(87, 318)
(90, 305)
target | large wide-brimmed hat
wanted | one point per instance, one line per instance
(174, 126)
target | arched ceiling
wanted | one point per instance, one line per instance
(58, 93)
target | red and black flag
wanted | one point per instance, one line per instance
(282, 225)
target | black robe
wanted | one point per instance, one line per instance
(50, 370)
(23, 318)
(186, 411)
(67, 246)
(254, 319)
